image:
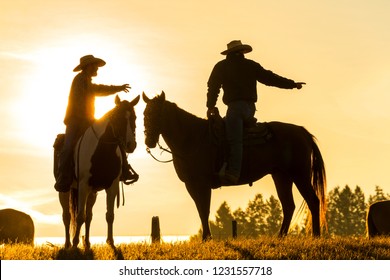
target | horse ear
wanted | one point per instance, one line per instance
(145, 98)
(117, 100)
(135, 101)
(162, 95)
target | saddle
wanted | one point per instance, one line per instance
(128, 176)
(255, 133)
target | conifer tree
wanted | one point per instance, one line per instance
(346, 211)
(274, 216)
(378, 196)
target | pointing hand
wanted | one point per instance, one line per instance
(299, 85)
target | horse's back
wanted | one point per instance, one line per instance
(288, 130)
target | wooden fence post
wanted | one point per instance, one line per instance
(234, 229)
(156, 236)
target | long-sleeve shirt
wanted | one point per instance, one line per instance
(238, 77)
(81, 103)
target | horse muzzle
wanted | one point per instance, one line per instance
(130, 147)
(150, 143)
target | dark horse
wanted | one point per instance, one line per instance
(16, 227)
(292, 156)
(98, 162)
(378, 219)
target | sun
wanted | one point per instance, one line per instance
(40, 109)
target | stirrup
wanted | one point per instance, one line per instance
(133, 178)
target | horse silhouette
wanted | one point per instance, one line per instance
(291, 156)
(378, 219)
(98, 162)
(16, 227)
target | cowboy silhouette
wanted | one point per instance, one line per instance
(238, 77)
(80, 115)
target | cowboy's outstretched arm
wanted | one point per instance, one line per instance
(104, 90)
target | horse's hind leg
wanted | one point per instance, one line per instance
(309, 195)
(201, 195)
(64, 201)
(80, 217)
(284, 189)
(88, 218)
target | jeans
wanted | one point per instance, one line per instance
(237, 114)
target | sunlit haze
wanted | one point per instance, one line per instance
(339, 48)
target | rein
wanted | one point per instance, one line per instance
(163, 150)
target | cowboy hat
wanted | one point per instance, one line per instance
(237, 46)
(87, 60)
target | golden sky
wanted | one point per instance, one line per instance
(339, 48)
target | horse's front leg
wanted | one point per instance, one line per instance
(64, 201)
(88, 218)
(111, 193)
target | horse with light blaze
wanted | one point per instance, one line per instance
(290, 156)
(98, 163)
(378, 219)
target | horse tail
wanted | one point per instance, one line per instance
(318, 176)
(73, 201)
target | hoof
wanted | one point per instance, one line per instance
(110, 242)
(67, 245)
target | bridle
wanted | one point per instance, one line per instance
(163, 150)
(118, 140)
(157, 129)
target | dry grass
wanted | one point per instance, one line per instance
(264, 248)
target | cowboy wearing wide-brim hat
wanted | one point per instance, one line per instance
(80, 114)
(87, 60)
(237, 46)
(238, 77)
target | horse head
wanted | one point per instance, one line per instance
(123, 123)
(152, 118)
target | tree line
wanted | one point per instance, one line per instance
(346, 215)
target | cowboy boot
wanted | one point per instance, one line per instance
(128, 175)
(65, 168)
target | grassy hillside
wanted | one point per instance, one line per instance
(266, 248)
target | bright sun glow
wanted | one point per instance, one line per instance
(41, 108)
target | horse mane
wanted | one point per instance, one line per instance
(184, 116)
(180, 124)
(114, 111)
(109, 114)
(184, 120)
